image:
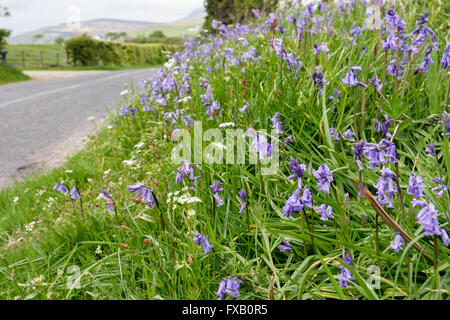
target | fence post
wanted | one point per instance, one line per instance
(57, 59)
(42, 60)
(23, 58)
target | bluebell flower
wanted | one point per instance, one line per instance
(61, 187)
(324, 178)
(397, 243)
(199, 238)
(345, 274)
(144, 192)
(285, 247)
(230, 285)
(74, 193)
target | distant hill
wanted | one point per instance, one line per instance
(188, 26)
(98, 28)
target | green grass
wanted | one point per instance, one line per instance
(49, 241)
(10, 74)
(43, 47)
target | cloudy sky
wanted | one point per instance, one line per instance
(28, 15)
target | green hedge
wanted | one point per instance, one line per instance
(85, 51)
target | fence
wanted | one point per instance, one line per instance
(37, 58)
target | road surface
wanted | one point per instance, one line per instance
(44, 120)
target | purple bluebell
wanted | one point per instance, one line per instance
(389, 149)
(444, 237)
(376, 83)
(324, 178)
(185, 170)
(244, 108)
(427, 218)
(243, 196)
(319, 79)
(215, 187)
(350, 78)
(397, 243)
(199, 238)
(145, 192)
(423, 68)
(395, 70)
(358, 151)
(298, 170)
(334, 134)
(295, 203)
(74, 194)
(415, 186)
(441, 188)
(385, 187)
(286, 246)
(430, 149)
(276, 124)
(108, 196)
(345, 274)
(230, 285)
(445, 61)
(326, 211)
(447, 124)
(214, 24)
(61, 187)
(348, 134)
(124, 110)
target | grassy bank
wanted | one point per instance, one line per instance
(10, 74)
(347, 124)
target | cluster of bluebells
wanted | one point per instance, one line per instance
(63, 188)
(228, 49)
(231, 285)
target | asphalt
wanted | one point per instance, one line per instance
(42, 120)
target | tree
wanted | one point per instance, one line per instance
(113, 36)
(234, 11)
(59, 41)
(37, 37)
(4, 33)
(157, 34)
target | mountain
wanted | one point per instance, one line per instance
(188, 26)
(98, 29)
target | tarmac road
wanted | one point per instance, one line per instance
(42, 120)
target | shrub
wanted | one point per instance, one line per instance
(85, 51)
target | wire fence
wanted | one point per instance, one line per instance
(36, 58)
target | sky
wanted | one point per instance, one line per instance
(29, 15)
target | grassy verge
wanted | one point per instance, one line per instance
(10, 74)
(119, 243)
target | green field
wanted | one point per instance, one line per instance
(175, 29)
